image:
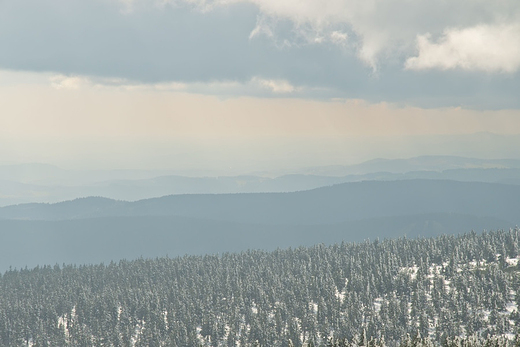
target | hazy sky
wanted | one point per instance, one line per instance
(256, 84)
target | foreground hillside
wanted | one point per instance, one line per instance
(440, 287)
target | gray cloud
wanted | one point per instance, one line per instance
(387, 27)
(330, 50)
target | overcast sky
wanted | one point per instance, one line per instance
(256, 84)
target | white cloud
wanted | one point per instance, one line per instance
(483, 47)
(68, 82)
(382, 28)
(63, 82)
(338, 37)
(255, 85)
(261, 28)
(275, 86)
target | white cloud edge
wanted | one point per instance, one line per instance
(255, 85)
(488, 48)
(277, 86)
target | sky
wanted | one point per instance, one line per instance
(247, 85)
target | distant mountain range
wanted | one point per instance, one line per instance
(45, 183)
(422, 163)
(326, 205)
(99, 229)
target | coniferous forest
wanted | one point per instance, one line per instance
(449, 290)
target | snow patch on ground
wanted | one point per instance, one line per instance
(512, 261)
(313, 307)
(377, 304)
(411, 271)
(165, 317)
(63, 323)
(137, 333)
(200, 338)
(511, 307)
(341, 295)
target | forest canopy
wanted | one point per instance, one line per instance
(439, 287)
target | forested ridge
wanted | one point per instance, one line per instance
(325, 205)
(440, 289)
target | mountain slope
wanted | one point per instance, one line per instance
(49, 184)
(448, 286)
(94, 240)
(327, 205)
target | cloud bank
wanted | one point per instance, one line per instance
(390, 26)
(422, 52)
